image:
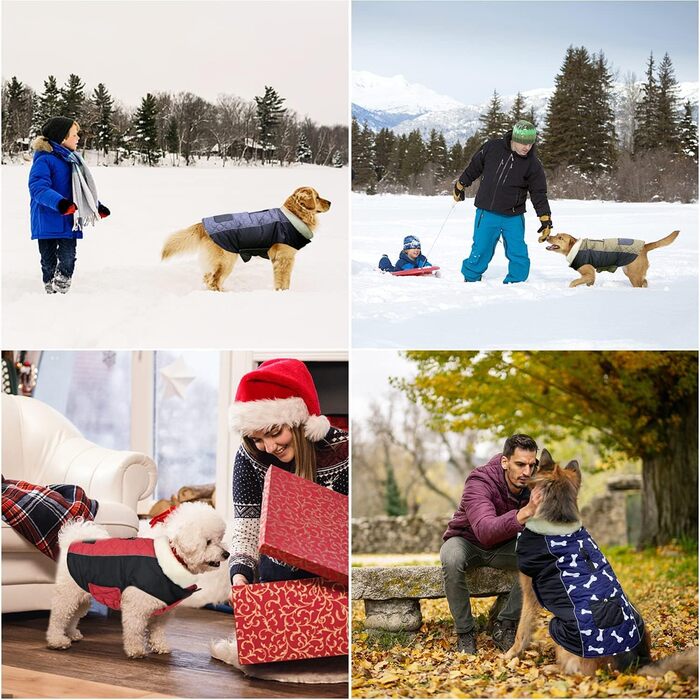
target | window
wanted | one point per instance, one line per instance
(186, 419)
(92, 389)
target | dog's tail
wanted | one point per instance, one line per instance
(77, 530)
(184, 241)
(661, 243)
(684, 663)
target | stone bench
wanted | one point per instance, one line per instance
(392, 594)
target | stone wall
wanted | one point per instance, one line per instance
(612, 518)
(402, 535)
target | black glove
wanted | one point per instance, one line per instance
(546, 227)
(458, 191)
(65, 206)
(103, 211)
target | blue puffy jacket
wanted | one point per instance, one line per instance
(50, 181)
(403, 263)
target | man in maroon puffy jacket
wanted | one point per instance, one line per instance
(495, 506)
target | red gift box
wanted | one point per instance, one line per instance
(290, 620)
(305, 525)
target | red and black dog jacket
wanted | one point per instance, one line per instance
(104, 568)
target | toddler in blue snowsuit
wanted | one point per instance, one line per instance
(410, 257)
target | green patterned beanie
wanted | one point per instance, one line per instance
(524, 132)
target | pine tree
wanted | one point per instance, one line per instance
(172, 137)
(647, 117)
(456, 161)
(667, 107)
(494, 122)
(394, 502)
(146, 130)
(73, 98)
(337, 159)
(414, 160)
(363, 175)
(688, 133)
(16, 114)
(48, 104)
(303, 154)
(517, 111)
(384, 145)
(103, 127)
(398, 155)
(580, 128)
(269, 113)
(437, 153)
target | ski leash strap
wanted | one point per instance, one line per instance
(440, 231)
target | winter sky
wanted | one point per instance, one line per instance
(208, 48)
(466, 50)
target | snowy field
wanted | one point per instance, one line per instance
(542, 313)
(123, 296)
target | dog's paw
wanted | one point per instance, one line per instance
(159, 647)
(62, 642)
(135, 652)
(510, 654)
(75, 635)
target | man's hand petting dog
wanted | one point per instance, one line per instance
(526, 512)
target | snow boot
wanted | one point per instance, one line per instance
(50, 289)
(61, 283)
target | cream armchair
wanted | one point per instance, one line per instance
(41, 446)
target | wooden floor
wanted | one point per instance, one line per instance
(97, 667)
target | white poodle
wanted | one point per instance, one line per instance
(144, 577)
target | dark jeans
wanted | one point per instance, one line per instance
(57, 255)
(459, 556)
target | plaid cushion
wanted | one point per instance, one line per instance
(38, 512)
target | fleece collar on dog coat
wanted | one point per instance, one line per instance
(252, 233)
(572, 579)
(104, 568)
(604, 255)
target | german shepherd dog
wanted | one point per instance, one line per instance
(562, 569)
(634, 265)
(303, 204)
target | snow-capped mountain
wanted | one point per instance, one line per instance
(395, 104)
(387, 102)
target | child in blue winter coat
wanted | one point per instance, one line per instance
(409, 259)
(63, 199)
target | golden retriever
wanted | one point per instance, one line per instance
(303, 204)
(634, 265)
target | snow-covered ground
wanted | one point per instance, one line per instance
(123, 296)
(542, 313)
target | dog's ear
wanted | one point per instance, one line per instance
(306, 197)
(574, 467)
(546, 462)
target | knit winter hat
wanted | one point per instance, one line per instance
(410, 242)
(524, 132)
(57, 128)
(278, 392)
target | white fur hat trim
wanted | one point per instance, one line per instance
(248, 416)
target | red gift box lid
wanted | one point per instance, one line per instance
(290, 620)
(304, 525)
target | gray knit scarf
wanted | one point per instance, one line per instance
(84, 193)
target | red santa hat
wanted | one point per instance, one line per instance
(278, 392)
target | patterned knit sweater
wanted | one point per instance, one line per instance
(248, 480)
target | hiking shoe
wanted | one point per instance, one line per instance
(503, 634)
(61, 283)
(466, 643)
(48, 286)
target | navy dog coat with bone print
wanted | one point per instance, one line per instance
(574, 581)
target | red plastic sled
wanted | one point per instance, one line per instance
(418, 271)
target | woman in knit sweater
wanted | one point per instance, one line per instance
(277, 412)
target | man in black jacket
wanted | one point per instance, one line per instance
(509, 169)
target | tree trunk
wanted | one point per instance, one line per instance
(670, 487)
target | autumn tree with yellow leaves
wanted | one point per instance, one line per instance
(643, 404)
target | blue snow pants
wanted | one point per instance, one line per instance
(488, 228)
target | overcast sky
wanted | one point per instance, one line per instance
(300, 48)
(466, 50)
